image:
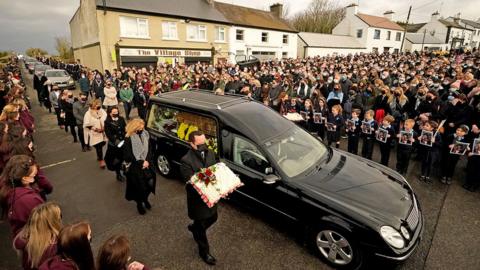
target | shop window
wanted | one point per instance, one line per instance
(220, 34)
(131, 27)
(169, 30)
(179, 124)
(197, 32)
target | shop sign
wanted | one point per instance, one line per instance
(164, 53)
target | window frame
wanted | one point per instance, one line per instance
(389, 35)
(285, 39)
(218, 30)
(242, 34)
(398, 36)
(359, 31)
(235, 137)
(169, 27)
(375, 34)
(139, 21)
(198, 29)
(266, 37)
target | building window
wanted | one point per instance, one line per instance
(169, 30)
(389, 34)
(240, 52)
(264, 37)
(285, 39)
(359, 33)
(131, 27)
(376, 35)
(396, 51)
(220, 34)
(239, 35)
(375, 50)
(284, 54)
(398, 37)
(197, 32)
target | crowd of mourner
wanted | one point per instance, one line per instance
(424, 107)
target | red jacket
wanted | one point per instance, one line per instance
(21, 201)
(27, 121)
(57, 263)
(20, 244)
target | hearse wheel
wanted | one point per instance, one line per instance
(163, 166)
(337, 247)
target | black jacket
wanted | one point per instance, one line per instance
(115, 131)
(192, 162)
(67, 108)
(139, 185)
(97, 87)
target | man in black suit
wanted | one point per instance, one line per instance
(198, 157)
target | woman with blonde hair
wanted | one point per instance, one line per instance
(74, 250)
(25, 118)
(140, 174)
(94, 129)
(115, 254)
(37, 241)
(10, 114)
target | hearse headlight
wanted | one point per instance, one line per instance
(70, 81)
(405, 232)
(392, 237)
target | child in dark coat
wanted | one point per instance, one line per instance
(369, 126)
(452, 159)
(431, 154)
(335, 121)
(405, 146)
(353, 131)
(386, 145)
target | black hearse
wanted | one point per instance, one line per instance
(350, 207)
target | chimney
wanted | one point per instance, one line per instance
(456, 19)
(211, 2)
(435, 16)
(389, 15)
(277, 10)
(351, 10)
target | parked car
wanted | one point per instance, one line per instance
(60, 78)
(40, 68)
(30, 65)
(348, 207)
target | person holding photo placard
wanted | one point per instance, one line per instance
(386, 143)
(405, 146)
(368, 134)
(353, 131)
(335, 121)
(472, 177)
(451, 159)
(431, 150)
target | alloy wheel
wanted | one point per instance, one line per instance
(163, 165)
(334, 247)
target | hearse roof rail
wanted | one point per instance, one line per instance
(226, 100)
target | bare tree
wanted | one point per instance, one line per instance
(321, 16)
(35, 52)
(64, 48)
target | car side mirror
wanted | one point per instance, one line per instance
(268, 170)
(270, 179)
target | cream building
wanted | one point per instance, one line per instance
(109, 33)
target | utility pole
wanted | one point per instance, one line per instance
(423, 40)
(405, 29)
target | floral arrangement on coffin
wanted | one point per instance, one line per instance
(215, 182)
(295, 117)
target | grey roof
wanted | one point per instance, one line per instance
(193, 9)
(451, 24)
(417, 38)
(471, 23)
(330, 41)
(413, 27)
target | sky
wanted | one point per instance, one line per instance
(36, 23)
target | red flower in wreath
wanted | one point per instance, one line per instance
(208, 172)
(201, 176)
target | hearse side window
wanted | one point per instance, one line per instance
(246, 154)
(180, 124)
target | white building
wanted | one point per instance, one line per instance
(265, 35)
(422, 41)
(374, 33)
(315, 44)
(472, 25)
(451, 32)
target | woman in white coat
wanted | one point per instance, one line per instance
(94, 129)
(110, 95)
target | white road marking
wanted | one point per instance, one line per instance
(58, 163)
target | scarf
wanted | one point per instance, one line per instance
(140, 145)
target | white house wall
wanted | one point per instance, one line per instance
(418, 47)
(252, 41)
(349, 27)
(312, 52)
(383, 42)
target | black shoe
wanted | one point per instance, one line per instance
(148, 205)
(120, 178)
(89, 148)
(75, 140)
(208, 259)
(141, 210)
(443, 180)
(84, 149)
(449, 181)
